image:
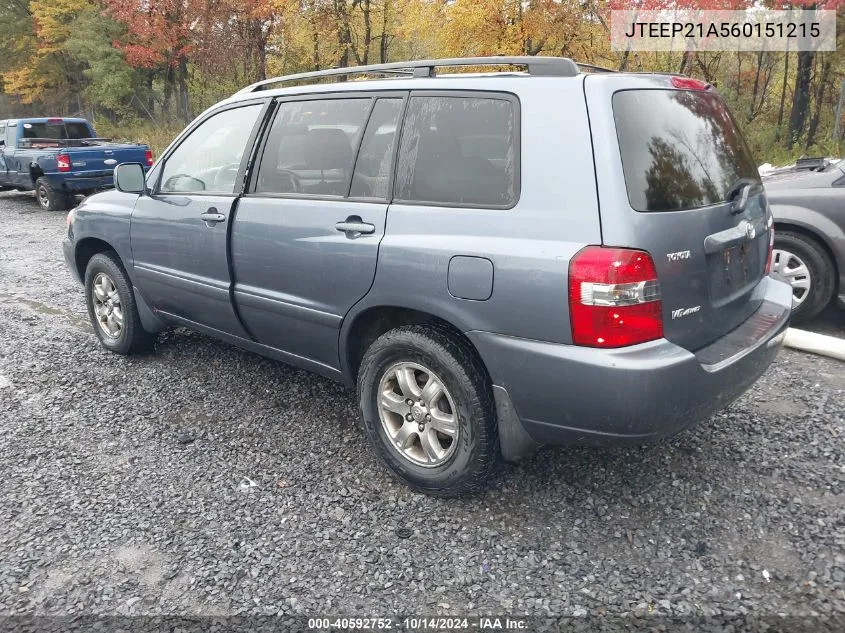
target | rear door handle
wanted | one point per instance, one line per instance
(353, 226)
(212, 217)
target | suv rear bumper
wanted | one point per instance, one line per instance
(564, 393)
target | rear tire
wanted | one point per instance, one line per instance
(112, 308)
(49, 198)
(793, 253)
(455, 463)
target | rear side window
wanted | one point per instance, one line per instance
(11, 135)
(680, 149)
(375, 159)
(459, 151)
(311, 147)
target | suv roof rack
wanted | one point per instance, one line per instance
(538, 66)
(597, 69)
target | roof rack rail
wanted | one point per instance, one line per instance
(538, 66)
(597, 69)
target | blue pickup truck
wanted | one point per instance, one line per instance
(60, 158)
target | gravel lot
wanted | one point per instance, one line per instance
(205, 480)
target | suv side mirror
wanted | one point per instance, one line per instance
(129, 178)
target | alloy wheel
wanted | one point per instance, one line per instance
(418, 414)
(107, 306)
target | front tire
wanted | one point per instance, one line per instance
(49, 198)
(427, 408)
(808, 268)
(111, 306)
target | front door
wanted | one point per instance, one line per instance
(305, 239)
(179, 232)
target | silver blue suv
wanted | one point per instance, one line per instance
(495, 261)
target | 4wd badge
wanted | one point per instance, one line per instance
(682, 312)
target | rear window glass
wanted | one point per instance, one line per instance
(680, 149)
(56, 130)
(459, 151)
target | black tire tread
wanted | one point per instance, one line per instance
(453, 347)
(59, 201)
(821, 272)
(139, 340)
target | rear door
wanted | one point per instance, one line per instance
(672, 171)
(305, 238)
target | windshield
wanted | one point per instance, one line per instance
(680, 149)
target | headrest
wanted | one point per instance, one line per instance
(327, 148)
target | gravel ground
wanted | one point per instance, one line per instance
(206, 481)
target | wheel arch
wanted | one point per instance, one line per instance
(364, 326)
(86, 248)
(35, 172)
(817, 238)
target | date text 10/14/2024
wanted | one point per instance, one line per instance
(418, 623)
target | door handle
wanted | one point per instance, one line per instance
(354, 226)
(212, 217)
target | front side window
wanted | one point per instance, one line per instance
(209, 159)
(311, 147)
(459, 151)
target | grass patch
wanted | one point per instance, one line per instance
(157, 137)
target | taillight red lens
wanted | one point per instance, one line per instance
(771, 248)
(614, 297)
(63, 161)
(149, 156)
(687, 83)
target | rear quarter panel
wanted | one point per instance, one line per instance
(529, 245)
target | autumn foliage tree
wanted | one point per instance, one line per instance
(162, 61)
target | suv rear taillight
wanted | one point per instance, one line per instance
(63, 161)
(614, 297)
(149, 157)
(771, 226)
